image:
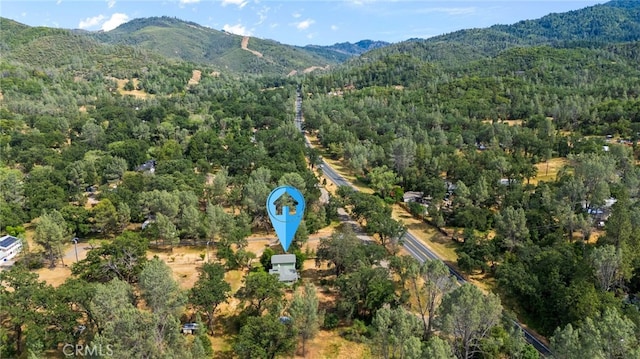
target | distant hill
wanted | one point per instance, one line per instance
(191, 42)
(613, 22)
(346, 50)
(44, 47)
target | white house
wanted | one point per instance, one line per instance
(10, 246)
(284, 265)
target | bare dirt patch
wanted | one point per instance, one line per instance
(313, 68)
(135, 93)
(184, 262)
(245, 43)
(508, 122)
(54, 276)
(195, 77)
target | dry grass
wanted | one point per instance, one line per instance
(195, 77)
(135, 93)
(434, 240)
(338, 166)
(330, 345)
(54, 276)
(184, 263)
(508, 122)
(548, 171)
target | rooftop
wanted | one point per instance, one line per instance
(6, 241)
(283, 259)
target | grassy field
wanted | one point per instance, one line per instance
(548, 171)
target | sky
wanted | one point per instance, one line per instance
(294, 22)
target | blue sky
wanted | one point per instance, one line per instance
(295, 22)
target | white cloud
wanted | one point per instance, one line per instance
(452, 11)
(111, 3)
(239, 3)
(237, 29)
(303, 25)
(296, 15)
(262, 14)
(23, 14)
(334, 27)
(91, 22)
(116, 20)
(58, 2)
(183, 2)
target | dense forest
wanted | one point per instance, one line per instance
(523, 141)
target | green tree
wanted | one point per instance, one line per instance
(167, 231)
(209, 291)
(261, 291)
(382, 180)
(466, 316)
(265, 337)
(607, 336)
(51, 233)
(217, 190)
(164, 297)
(430, 282)
(304, 313)
(511, 224)
(345, 251)
(256, 191)
(437, 348)
(123, 258)
(158, 288)
(123, 215)
(607, 266)
(123, 327)
(403, 154)
(364, 291)
(397, 333)
(93, 134)
(105, 217)
(24, 300)
(190, 222)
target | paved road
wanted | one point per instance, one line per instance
(412, 244)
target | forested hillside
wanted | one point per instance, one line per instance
(191, 42)
(521, 152)
(476, 137)
(613, 22)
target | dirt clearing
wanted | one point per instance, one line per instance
(195, 77)
(245, 43)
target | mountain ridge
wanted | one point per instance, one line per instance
(612, 22)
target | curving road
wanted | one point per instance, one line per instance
(412, 244)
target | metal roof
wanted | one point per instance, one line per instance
(283, 259)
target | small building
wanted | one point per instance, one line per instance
(189, 328)
(284, 265)
(10, 246)
(149, 166)
(412, 196)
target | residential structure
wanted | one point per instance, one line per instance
(10, 246)
(284, 265)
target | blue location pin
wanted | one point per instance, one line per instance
(285, 223)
